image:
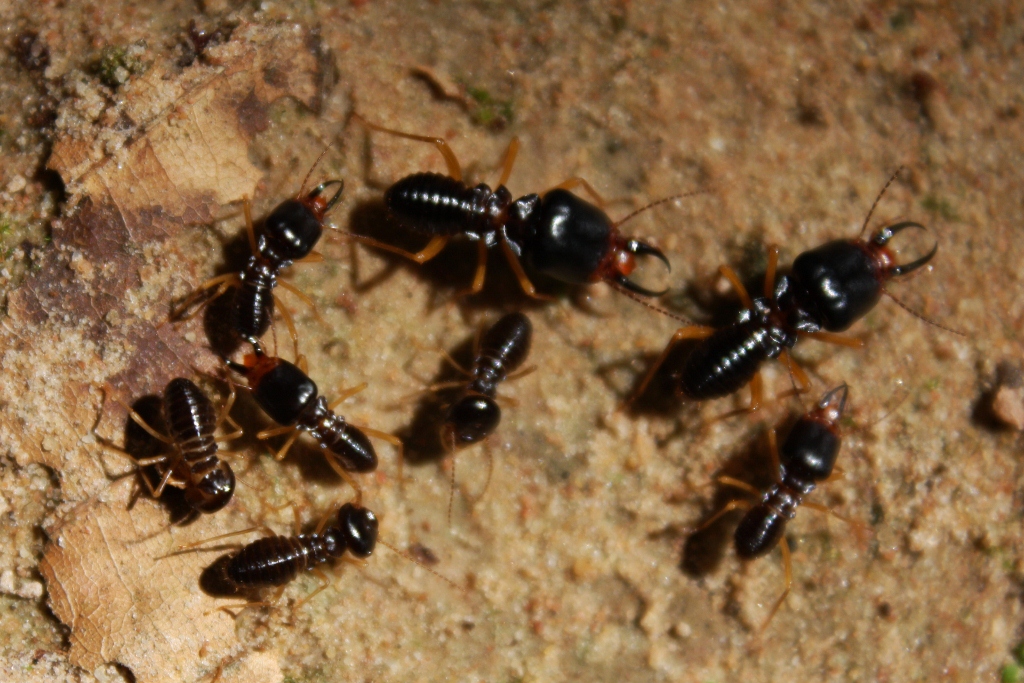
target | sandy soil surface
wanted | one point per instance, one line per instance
(579, 562)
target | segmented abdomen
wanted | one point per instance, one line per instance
(724, 362)
(502, 350)
(253, 307)
(271, 561)
(351, 447)
(191, 421)
(435, 204)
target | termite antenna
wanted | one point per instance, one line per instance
(878, 199)
(302, 187)
(919, 316)
(897, 406)
(658, 309)
(663, 200)
(412, 559)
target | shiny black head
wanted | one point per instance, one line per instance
(214, 491)
(837, 283)
(294, 227)
(359, 527)
(567, 238)
(809, 452)
(758, 532)
(280, 388)
(290, 232)
(840, 281)
(470, 419)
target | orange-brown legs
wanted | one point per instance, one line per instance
(225, 416)
(509, 161)
(787, 564)
(394, 441)
(738, 504)
(433, 248)
(346, 394)
(800, 377)
(524, 280)
(222, 282)
(689, 332)
(454, 170)
(830, 338)
(481, 271)
(577, 181)
(769, 272)
(741, 291)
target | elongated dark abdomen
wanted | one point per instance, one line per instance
(435, 204)
(353, 450)
(508, 341)
(759, 531)
(503, 348)
(253, 306)
(724, 362)
(191, 419)
(271, 561)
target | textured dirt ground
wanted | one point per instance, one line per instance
(578, 562)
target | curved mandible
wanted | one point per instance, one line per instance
(639, 248)
(318, 190)
(843, 390)
(887, 233)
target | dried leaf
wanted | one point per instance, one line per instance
(124, 604)
(94, 313)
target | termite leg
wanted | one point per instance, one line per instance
(481, 271)
(736, 483)
(509, 161)
(769, 272)
(312, 257)
(222, 282)
(325, 582)
(259, 603)
(343, 473)
(797, 372)
(842, 340)
(689, 332)
(524, 281)
(230, 534)
(433, 248)
(741, 291)
(726, 509)
(787, 563)
(454, 170)
(280, 455)
(346, 394)
(109, 390)
(272, 432)
(288, 321)
(577, 181)
(304, 298)
(773, 452)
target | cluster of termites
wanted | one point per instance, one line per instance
(556, 234)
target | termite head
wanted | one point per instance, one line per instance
(359, 527)
(214, 491)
